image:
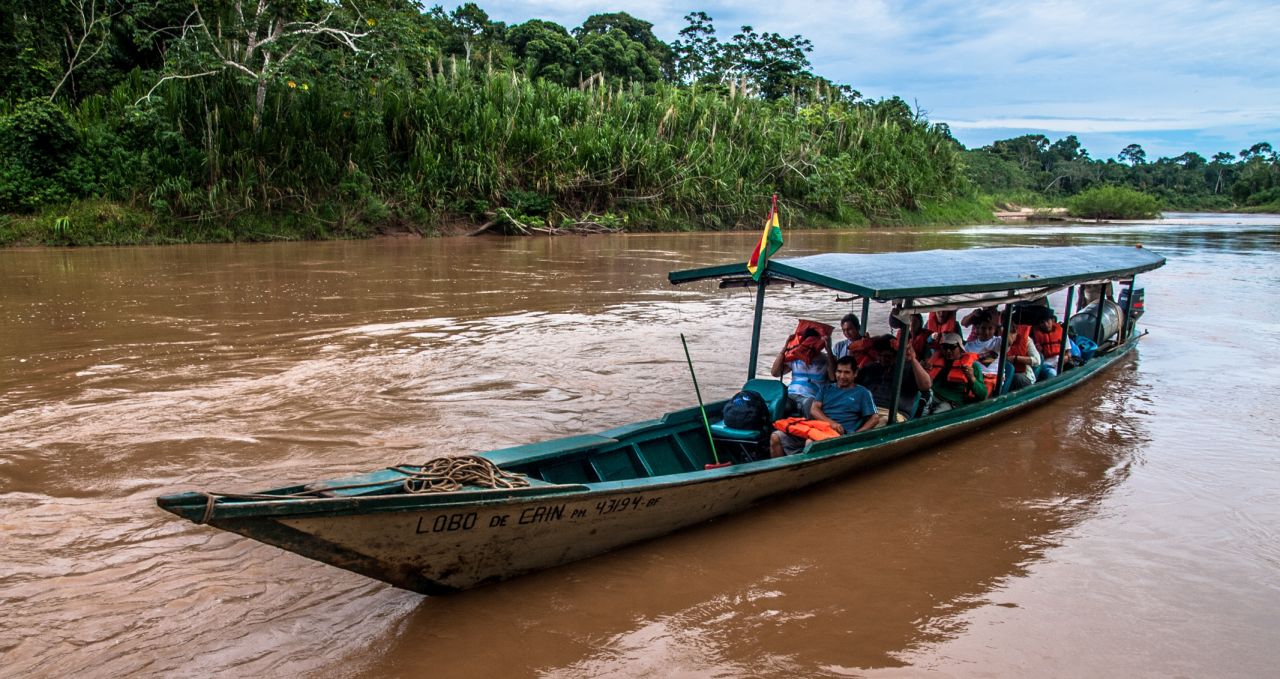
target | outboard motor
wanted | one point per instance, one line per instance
(1083, 323)
(1135, 311)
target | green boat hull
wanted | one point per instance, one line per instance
(588, 495)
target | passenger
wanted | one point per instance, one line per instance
(1023, 357)
(807, 364)
(1048, 336)
(878, 377)
(941, 322)
(845, 405)
(919, 338)
(853, 344)
(987, 348)
(956, 375)
(972, 319)
(1090, 293)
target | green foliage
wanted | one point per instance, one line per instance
(965, 210)
(617, 57)
(40, 165)
(618, 38)
(38, 135)
(769, 64)
(1031, 164)
(406, 134)
(468, 33)
(545, 50)
(995, 173)
(1113, 202)
(87, 222)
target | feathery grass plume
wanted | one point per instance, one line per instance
(347, 158)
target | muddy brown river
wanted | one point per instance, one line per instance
(1130, 528)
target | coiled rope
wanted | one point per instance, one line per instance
(447, 474)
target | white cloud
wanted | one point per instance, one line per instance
(1075, 124)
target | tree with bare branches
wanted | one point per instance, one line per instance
(260, 40)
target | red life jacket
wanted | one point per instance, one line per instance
(863, 351)
(934, 325)
(1049, 343)
(814, 430)
(989, 379)
(799, 350)
(919, 342)
(957, 372)
(1019, 345)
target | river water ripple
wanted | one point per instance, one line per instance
(1130, 528)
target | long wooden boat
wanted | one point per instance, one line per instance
(591, 493)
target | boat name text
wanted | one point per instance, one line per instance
(448, 523)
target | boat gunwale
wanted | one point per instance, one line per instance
(974, 414)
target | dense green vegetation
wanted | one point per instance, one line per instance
(322, 119)
(126, 121)
(1112, 202)
(1033, 170)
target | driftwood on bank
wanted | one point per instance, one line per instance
(487, 225)
(586, 225)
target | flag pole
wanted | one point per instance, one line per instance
(753, 360)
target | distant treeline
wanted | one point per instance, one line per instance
(1034, 167)
(133, 120)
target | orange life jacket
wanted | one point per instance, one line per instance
(799, 350)
(814, 430)
(863, 351)
(934, 325)
(958, 372)
(1019, 345)
(989, 379)
(1049, 343)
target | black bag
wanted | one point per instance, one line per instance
(1030, 313)
(746, 410)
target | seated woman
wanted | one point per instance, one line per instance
(1024, 358)
(956, 375)
(986, 346)
(940, 323)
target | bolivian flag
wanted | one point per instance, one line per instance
(769, 243)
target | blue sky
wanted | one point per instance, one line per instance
(1173, 76)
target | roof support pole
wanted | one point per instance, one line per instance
(1004, 348)
(1066, 341)
(1102, 305)
(904, 337)
(755, 329)
(866, 309)
(1128, 308)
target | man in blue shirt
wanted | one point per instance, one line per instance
(846, 406)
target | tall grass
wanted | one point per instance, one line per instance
(347, 157)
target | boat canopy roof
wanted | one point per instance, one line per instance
(944, 277)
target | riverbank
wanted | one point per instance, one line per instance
(106, 223)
